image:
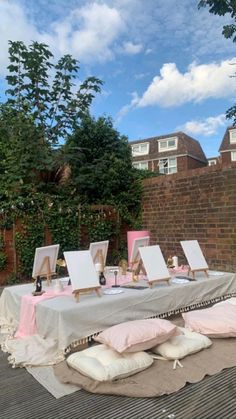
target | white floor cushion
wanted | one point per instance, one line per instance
(103, 363)
(180, 346)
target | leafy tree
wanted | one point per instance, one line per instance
(222, 8)
(101, 166)
(23, 153)
(42, 109)
(49, 100)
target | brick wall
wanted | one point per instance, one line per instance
(226, 157)
(198, 204)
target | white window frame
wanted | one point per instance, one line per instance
(139, 149)
(168, 170)
(164, 144)
(138, 165)
(233, 155)
(212, 162)
(232, 136)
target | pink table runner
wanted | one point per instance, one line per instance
(27, 324)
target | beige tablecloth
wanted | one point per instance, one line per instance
(67, 322)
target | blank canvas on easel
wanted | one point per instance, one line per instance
(194, 255)
(45, 259)
(137, 243)
(81, 270)
(154, 263)
(97, 247)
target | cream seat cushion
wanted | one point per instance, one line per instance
(180, 346)
(103, 363)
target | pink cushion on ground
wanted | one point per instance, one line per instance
(137, 335)
(218, 321)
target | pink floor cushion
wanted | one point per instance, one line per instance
(137, 335)
(218, 321)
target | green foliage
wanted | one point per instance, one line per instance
(51, 102)
(41, 111)
(146, 174)
(3, 256)
(30, 237)
(221, 8)
(46, 188)
(22, 151)
(101, 166)
(13, 279)
(42, 219)
(3, 260)
(231, 113)
(64, 225)
(97, 226)
(52, 219)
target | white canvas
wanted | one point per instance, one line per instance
(154, 263)
(194, 255)
(103, 246)
(81, 269)
(40, 254)
(137, 243)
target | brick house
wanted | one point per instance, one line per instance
(228, 146)
(168, 153)
(212, 161)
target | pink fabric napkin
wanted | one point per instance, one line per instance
(121, 279)
(27, 324)
(183, 269)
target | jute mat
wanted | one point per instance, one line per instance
(160, 378)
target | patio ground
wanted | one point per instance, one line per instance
(22, 397)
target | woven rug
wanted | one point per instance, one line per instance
(160, 378)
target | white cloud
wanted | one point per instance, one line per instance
(206, 127)
(173, 88)
(89, 33)
(132, 49)
(125, 109)
(200, 82)
(14, 26)
(140, 76)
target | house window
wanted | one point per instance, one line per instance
(233, 155)
(168, 144)
(140, 149)
(232, 136)
(142, 165)
(212, 162)
(168, 166)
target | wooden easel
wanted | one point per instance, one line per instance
(98, 258)
(138, 269)
(198, 270)
(155, 281)
(78, 292)
(45, 266)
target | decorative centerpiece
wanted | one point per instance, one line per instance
(123, 266)
(38, 286)
(170, 262)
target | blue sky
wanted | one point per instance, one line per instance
(165, 64)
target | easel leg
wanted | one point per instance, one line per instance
(98, 292)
